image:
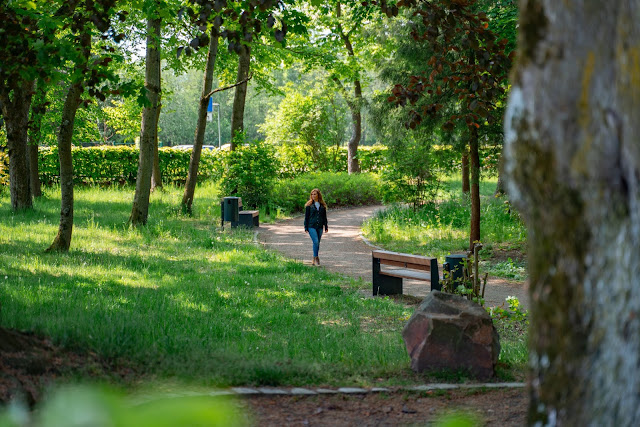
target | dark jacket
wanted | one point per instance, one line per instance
(315, 218)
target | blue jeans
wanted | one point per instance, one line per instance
(316, 235)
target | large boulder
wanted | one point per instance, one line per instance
(448, 331)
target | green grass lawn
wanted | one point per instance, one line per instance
(183, 300)
(180, 298)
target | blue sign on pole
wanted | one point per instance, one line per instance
(210, 107)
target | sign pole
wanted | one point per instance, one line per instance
(219, 137)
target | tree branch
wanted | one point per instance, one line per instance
(220, 89)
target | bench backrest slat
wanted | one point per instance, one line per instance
(403, 258)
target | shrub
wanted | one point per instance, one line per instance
(338, 189)
(413, 175)
(250, 172)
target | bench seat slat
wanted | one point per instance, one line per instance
(405, 265)
(395, 256)
(408, 274)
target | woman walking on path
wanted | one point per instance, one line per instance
(315, 219)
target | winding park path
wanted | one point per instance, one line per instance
(343, 250)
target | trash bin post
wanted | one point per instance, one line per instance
(222, 214)
(230, 210)
(456, 265)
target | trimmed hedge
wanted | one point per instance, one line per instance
(337, 188)
(119, 165)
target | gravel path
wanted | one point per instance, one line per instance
(344, 250)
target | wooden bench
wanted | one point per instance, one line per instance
(388, 281)
(248, 219)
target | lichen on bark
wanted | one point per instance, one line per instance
(572, 155)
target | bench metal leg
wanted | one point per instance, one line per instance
(222, 214)
(383, 284)
(435, 276)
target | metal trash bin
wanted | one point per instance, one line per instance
(456, 266)
(231, 209)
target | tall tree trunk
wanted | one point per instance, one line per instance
(572, 155)
(201, 127)
(353, 164)
(500, 186)
(38, 109)
(355, 104)
(34, 170)
(149, 131)
(237, 116)
(15, 110)
(156, 175)
(62, 241)
(474, 167)
(465, 171)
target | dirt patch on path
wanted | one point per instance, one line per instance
(505, 407)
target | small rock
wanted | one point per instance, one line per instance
(352, 390)
(245, 390)
(408, 410)
(299, 391)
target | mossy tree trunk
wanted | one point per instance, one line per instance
(572, 158)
